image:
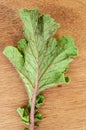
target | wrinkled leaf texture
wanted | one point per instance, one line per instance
(41, 53)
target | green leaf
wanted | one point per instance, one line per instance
(40, 59)
(38, 116)
(26, 120)
(24, 114)
(39, 100)
(21, 112)
(39, 56)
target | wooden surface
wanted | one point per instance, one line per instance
(65, 107)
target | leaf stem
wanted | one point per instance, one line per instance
(35, 90)
(33, 109)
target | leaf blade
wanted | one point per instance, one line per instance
(40, 51)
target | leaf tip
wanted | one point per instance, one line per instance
(6, 50)
(25, 11)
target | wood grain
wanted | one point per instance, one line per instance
(65, 107)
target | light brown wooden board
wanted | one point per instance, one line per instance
(65, 107)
